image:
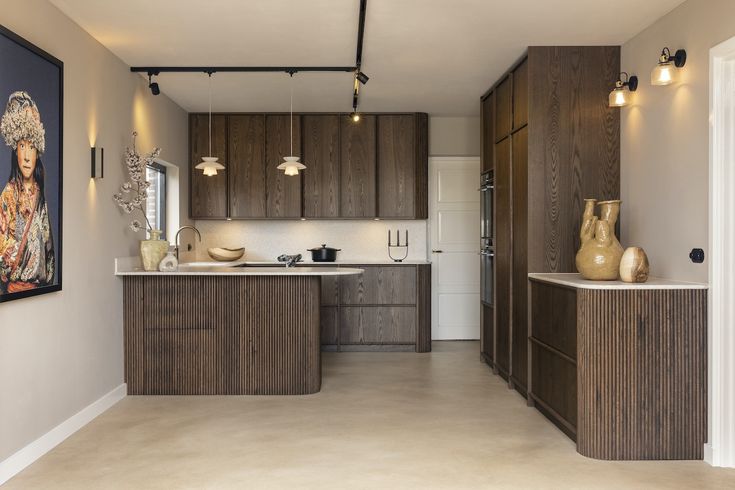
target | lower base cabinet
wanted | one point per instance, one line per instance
(622, 370)
(487, 333)
(388, 307)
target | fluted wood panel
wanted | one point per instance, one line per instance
(423, 308)
(642, 374)
(222, 335)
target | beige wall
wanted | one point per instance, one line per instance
(61, 351)
(665, 139)
(454, 136)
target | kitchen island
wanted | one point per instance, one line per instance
(219, 330)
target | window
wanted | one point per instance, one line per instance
(155, 209)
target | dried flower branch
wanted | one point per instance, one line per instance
(137, 186)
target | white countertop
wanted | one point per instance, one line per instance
(131, 266)
(577, 281)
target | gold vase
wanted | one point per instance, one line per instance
(153, 250)
(598, 258)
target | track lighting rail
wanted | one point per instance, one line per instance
(156, 70)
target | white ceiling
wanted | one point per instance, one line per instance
(435, 56)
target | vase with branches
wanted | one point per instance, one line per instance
(133, 196)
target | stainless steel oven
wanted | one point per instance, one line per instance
(487, 250)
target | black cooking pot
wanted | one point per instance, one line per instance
(324, 254)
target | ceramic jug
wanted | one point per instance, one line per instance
(598, 258)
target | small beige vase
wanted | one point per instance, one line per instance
(598, 259)
(634, 265)
(153, 250)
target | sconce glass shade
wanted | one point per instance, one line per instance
(291, 166)
(209, 166)
(619, 97)
(663, 74)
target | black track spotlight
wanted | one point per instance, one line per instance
(362, 77)
(155, 89)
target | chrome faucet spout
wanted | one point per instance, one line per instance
(176, 240)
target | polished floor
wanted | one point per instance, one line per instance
(382, 420)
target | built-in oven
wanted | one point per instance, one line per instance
(487, 250)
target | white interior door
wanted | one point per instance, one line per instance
(454, 230)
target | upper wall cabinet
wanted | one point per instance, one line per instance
(358, 156)
(503, 108)
(488, 131)
(321, 157)
(375, 168)
(208, 198)
(283, 192)
(520, 95)
(403, 166)
(245, 166)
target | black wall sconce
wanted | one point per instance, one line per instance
(620, 96)
(98, 163)
(665, 71)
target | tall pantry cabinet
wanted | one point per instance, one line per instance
(552, 141)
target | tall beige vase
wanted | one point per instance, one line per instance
(153, 250)
(598, 258)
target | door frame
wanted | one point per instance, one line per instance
(430, 230)
(720, 448)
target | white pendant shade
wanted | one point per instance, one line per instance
(291, 166)
(209, 166)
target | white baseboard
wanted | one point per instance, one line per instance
(27, 455)
(708, 454)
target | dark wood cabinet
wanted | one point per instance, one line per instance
(487, 141)
(520, 95)
(388, 307)
(520, 251)
(358, 155)
(557, 142)
(503, 263)
(487, 332)
(208, 198)
(246, 166)
(321, 157)
(616, 372)
(503, 108)
(402, 166)
(377, 167)
(283, 191)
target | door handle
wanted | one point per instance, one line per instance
(437, 251)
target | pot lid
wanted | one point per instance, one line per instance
(324, 247)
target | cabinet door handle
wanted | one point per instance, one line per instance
(437, 251)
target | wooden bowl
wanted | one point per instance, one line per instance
(226, 254)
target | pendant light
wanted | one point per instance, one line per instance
(209, 164)
(291, 164)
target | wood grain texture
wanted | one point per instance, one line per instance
(487, 333)
(503, 254)
(380, 285)
(358, 167)
(283, 192)
(397, 166)
(246, 169)
(423, 308)
(520, 95)
(520, 251)
(329, 326)
(574, 145)
(487, 140)
(554, 312)
(377, 325)
(238, 337)
(503, 108)
(321, 157)
(421, 200)
(208, 194)
(642, 368)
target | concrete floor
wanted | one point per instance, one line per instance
(382, 420)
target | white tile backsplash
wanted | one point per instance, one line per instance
(266, 240)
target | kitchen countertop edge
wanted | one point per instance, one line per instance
(577, 281)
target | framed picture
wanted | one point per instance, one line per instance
(31, 123)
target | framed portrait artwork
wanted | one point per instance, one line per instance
(31, 123)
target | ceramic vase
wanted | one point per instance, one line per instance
(153, 250)
(169, 263)
(634, 265)
(598, 258)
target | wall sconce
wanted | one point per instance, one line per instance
(665, 73)
(620, 95)
(98, 163)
